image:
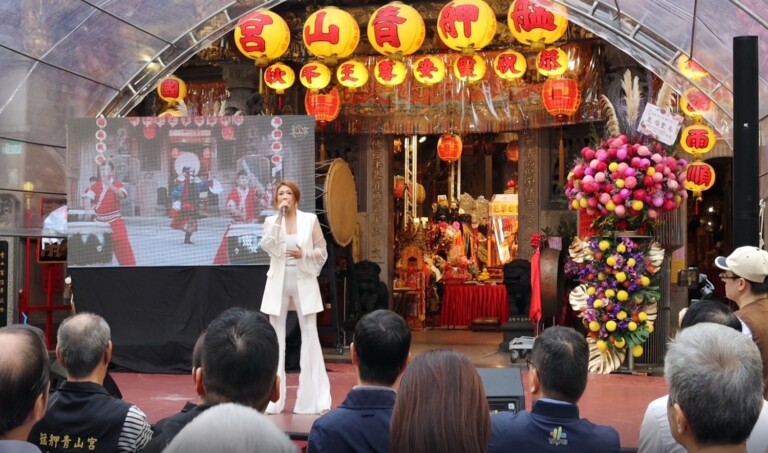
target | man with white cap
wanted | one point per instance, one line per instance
(746, 283)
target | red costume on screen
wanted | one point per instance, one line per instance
(248, 205)
(107, 209)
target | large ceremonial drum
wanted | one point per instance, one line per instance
(552, 281)
(336, 199)
(243, 242)
(89, 243)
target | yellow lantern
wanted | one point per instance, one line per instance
(262, 36)
(466, 25)
(510, 65)
(390, 72)
(315, 75)
(690, 69)
(396, 29)
(699, 176)
(695, 103)
(172, 89)
(429, 70)
(469, 68)
(552, 62)
(279, 77)
(535, 25)
(352, 74)
(697, 139)
(331, 34)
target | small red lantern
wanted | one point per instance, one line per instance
(323, 106)
(449, 147)
(561, 97)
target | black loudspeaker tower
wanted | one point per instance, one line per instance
(746, 164)
(503, 388)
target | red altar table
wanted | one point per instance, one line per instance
(463, 303)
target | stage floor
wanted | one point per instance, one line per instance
(618, 400)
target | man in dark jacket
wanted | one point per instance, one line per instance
(82, 414)
(380, 349)
(239, 365)
(557, 378)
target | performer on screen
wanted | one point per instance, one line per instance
(244, 205)
(103, 199)
(185, 203)
(297, 250)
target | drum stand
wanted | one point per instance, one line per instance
(330, 272)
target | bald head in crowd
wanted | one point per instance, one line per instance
(24, 381)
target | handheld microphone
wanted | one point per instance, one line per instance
(283, 210)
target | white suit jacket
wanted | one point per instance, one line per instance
(308, 268)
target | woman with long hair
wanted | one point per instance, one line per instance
(297, 251)
(441, 406)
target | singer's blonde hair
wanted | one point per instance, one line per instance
(291, 185)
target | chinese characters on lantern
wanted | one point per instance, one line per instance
(385, 26)
(528, 17)
(451, 15)
(319, 34)
(251, 29)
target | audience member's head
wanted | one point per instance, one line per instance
(440, 406)
(84, 347)
(231, 428)
(715, 380)
(710, 311)
(24, 380)
(746, 272)
(559, 365)
(240, 355)
(380, 347)
(197, 367)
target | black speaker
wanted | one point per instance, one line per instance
(503, 388)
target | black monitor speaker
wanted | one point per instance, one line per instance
(503, 388)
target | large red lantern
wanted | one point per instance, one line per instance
(561, 97)
(323, 106)
(449, 147)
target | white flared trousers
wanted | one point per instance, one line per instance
(314, 393)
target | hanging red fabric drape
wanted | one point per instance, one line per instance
(535, 312)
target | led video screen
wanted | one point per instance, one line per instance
(192, 191)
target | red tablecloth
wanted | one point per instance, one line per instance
(463, 303)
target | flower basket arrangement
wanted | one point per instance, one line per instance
(617, 297)
(628, 180)
(625, 182)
